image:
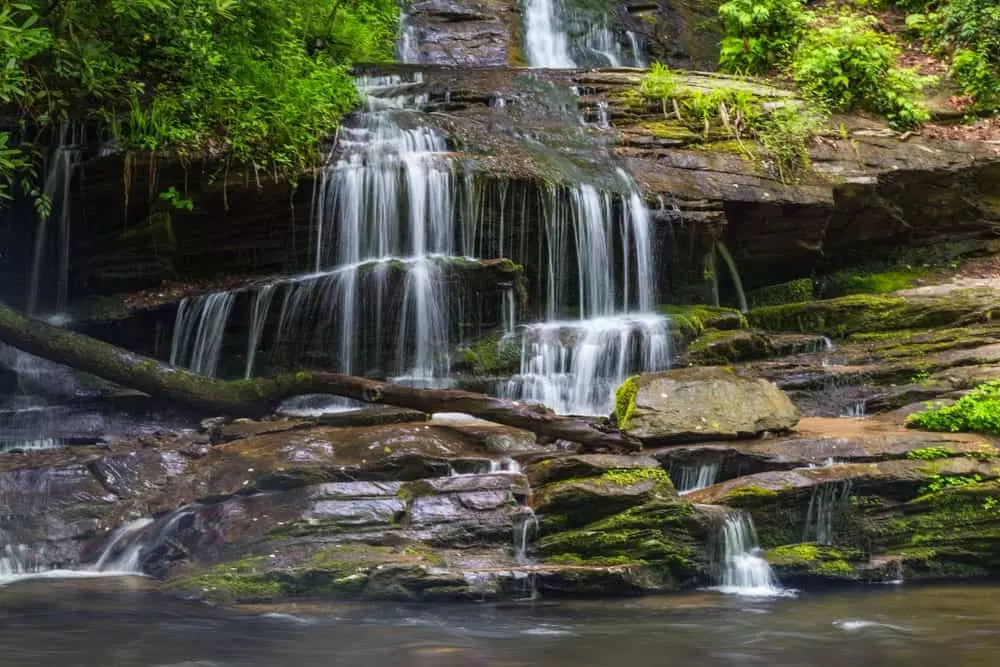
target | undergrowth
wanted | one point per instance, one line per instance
(977, 412)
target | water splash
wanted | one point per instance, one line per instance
(742, 569)
(826, 500)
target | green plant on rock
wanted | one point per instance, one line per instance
(845, 64)
(929, 453)
(978, 412)
(759, 34)
(660, 83)
(625, 401)
(939, 482)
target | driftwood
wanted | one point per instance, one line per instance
(259, 397)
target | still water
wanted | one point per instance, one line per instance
(126, 623)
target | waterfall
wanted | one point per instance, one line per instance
(858, 408)
(58, 182)
(123, 549)
(547, 29)
(525, 529)
(688, 478)
(825, 501)
(574, 366)
(546, 43)
(408, 46)
(742, 569)
(258, 318)
(733, 274)
(198, 331)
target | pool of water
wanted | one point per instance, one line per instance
(127, 622)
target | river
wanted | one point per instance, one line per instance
(128, 623)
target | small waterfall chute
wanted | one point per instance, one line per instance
(688, 478)
(741, 569)
(824, 503)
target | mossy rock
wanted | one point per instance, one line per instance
(655, 535)
(689, 322)
(794, 291)
(693, 404)
(725, 347)
(803, 563)
(493, 354)
(866, 313)
(576, 502)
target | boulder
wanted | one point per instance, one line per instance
(694, 404)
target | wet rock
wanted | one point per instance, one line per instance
(576, 502)
(692, 404)
(462, 33)
(724, 347)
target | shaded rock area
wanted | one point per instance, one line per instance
(447, 32)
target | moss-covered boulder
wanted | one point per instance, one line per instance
(726, 347)
(573, 503)
(559, 468)
(692, 404)
(937, 306)
(806, 563)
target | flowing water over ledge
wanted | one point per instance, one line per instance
(126, 624)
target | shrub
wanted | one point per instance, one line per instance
(759, 34)
(976, 77)
(978, 412)
(660, 83)
(845, 64)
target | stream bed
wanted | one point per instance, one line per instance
(126, 622)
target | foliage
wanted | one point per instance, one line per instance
(929, 453)
(759, 34)
(785, 134)
(660, 83)
(845, 64)
(176, 200)
(977, 78)
(258, 82)
(940, 482)
(978, 411)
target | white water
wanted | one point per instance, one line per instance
(198, 331)
(743, 570)
(694, 477)
(525, 529)
(825, 501)
(546, 43)
(58, 182)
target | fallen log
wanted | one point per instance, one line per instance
(259, 397)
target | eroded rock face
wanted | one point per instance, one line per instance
(448, 32)
(694, 404)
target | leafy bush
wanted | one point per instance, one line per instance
(978, 412)
(971, 24)
(978, 78)
(255, 81)
(845, 64)
(759, 34)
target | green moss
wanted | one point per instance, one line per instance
(625, 401)
(751, 492)
(689, 322)
(793, 291)
(790, 554)
(835, 568)
(880, 282)
(864, 313)
(573, 559)
(492, 354)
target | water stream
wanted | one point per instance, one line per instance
(742, 568)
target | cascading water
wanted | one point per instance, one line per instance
(525, 529)
(742, 570)
(198, 331)
(58, 181)
(547, 26)
(826, 500)
(545, 41)
(574, 366)
(688, 478)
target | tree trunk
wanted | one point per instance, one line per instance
(259, 397)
